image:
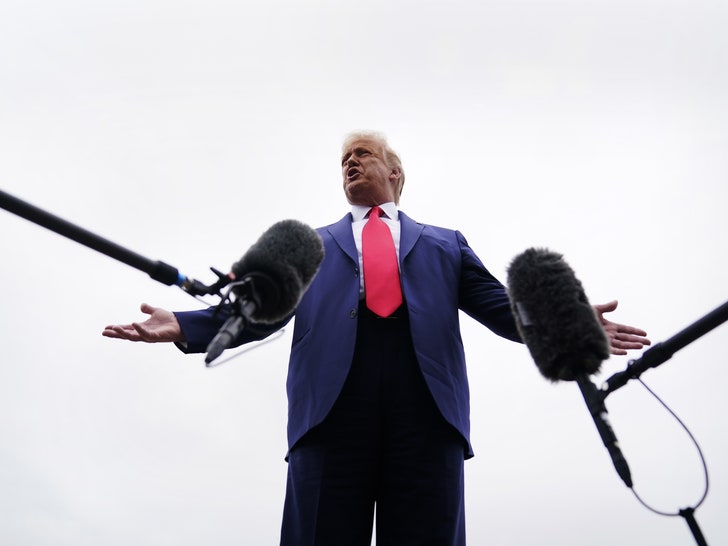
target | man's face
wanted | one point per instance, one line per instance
(367, 178)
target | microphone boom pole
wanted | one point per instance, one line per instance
(157, 270)
(663, 351)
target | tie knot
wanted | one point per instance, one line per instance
(376, 212)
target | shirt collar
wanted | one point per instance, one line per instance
(359, 212)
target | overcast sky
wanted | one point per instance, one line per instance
(182, 130)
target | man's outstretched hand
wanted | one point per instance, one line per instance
(621, 337)
(160, 327)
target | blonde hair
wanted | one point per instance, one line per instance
(390, 156)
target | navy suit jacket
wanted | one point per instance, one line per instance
(440, 274)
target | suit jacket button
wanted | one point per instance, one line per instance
(352, 313)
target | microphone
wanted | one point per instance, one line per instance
(562, 333)
(271, 278)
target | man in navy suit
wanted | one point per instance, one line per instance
(378, 405)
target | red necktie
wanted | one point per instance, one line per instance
(381, 273)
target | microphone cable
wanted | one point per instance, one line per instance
(680, 512)
(248, 347)
(685, 513)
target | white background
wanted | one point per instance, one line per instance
(182, 130)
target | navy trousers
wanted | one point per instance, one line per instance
(383, 446)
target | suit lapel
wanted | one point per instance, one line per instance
(343, 236)
(410, 232)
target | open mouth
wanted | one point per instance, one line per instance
(353, 173)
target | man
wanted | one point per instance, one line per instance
(377, 390)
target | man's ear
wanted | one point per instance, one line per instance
(395, 174)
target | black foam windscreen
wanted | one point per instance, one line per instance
(554, 317)
(281, 264)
